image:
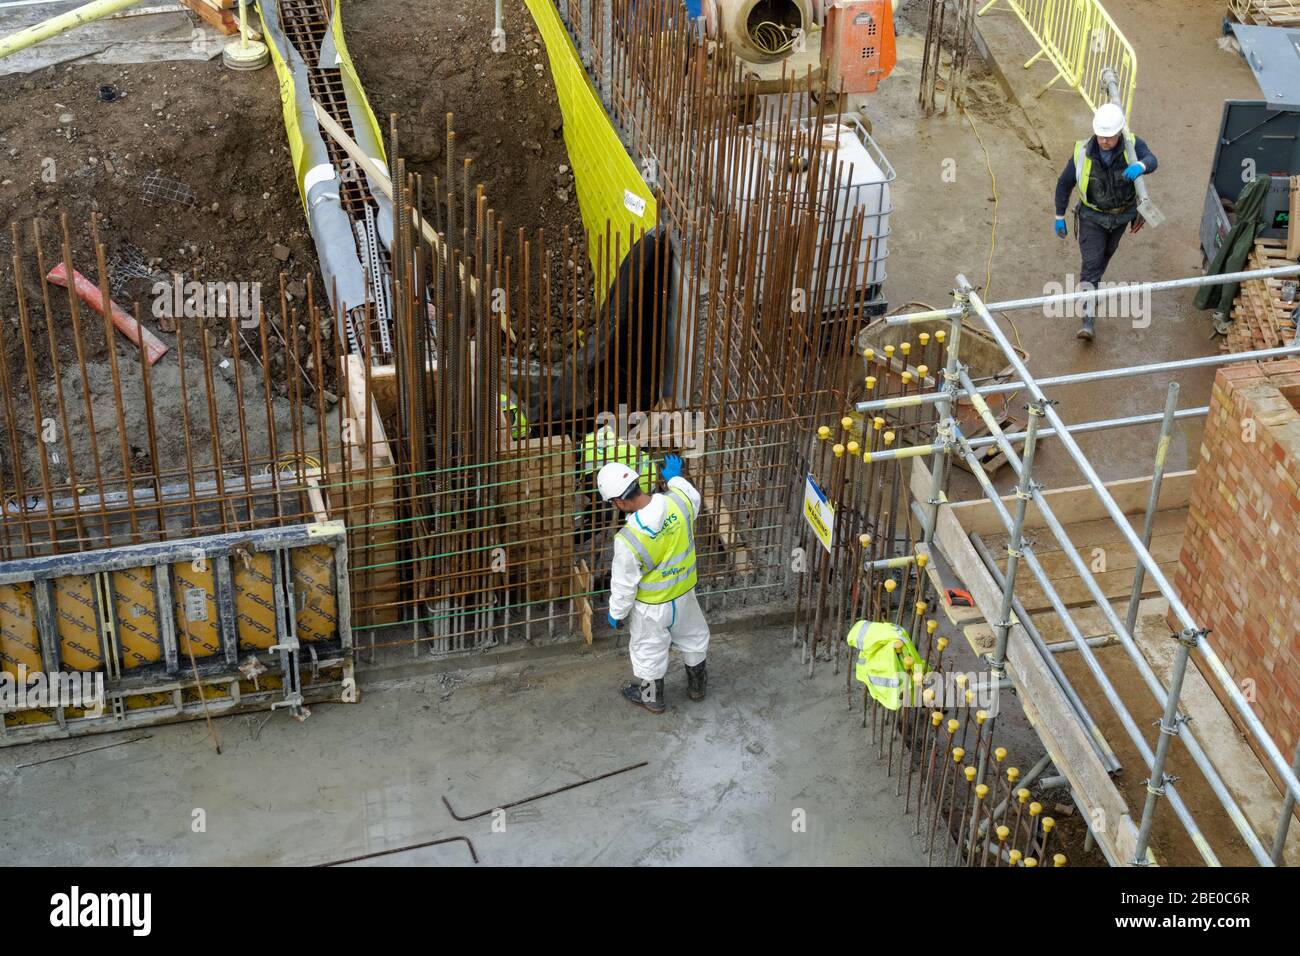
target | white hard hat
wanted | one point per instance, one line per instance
(1108, 120)
(615, 479)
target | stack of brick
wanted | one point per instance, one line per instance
(1239, 571)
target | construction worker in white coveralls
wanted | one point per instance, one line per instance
(653, 580)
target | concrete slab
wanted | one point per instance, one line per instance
(726, 782)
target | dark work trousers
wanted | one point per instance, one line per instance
(1097, 243)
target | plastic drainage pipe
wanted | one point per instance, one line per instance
(61, 24)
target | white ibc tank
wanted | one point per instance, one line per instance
(865, 179)
(861, 183)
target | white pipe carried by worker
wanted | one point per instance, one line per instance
(652, 585)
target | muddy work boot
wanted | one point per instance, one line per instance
(697, 680)
(1088, 327)
(647, 694)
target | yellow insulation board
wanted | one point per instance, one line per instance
(610, 187)
(345, 63)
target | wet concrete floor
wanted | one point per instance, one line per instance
(770, 769)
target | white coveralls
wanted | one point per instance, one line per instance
(652, 628)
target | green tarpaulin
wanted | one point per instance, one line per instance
(1236, 247)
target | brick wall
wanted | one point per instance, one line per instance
(1239, 571)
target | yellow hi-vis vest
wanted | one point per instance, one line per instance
(595, 455)
(879, 666)
(1083, 167)
(667, 558)
(515, 417)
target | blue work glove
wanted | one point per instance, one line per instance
(672, 467)
(1134, 171)
(613, 623)
(1060, 227)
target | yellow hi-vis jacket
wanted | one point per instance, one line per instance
(515, 417)
(879, 666)
(1083, 169)
(667, 558)
(598, 450)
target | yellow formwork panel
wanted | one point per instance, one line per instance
(77, 621)
(211, 693)
(146, 701)
(610, 187)
(254, 602)
(313, 589)
(135, 605)
(20, 643)
(262, 684)
(203, 636)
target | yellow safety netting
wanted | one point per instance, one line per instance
(610, 187)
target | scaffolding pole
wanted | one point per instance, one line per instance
(1153, 501)
(1094, 666)
(916, 451)
(1091, 295)
(1100, 375)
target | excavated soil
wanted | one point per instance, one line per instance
(64, 150)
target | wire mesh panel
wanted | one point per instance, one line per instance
(158, 190)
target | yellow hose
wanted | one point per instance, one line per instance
(61, 24)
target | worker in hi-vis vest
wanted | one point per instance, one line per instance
(1108, 200)
(882, 648)
(604, 446)
(653, 580)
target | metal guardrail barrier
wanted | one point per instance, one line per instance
(1080, 39)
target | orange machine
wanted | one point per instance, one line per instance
(857, 44)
